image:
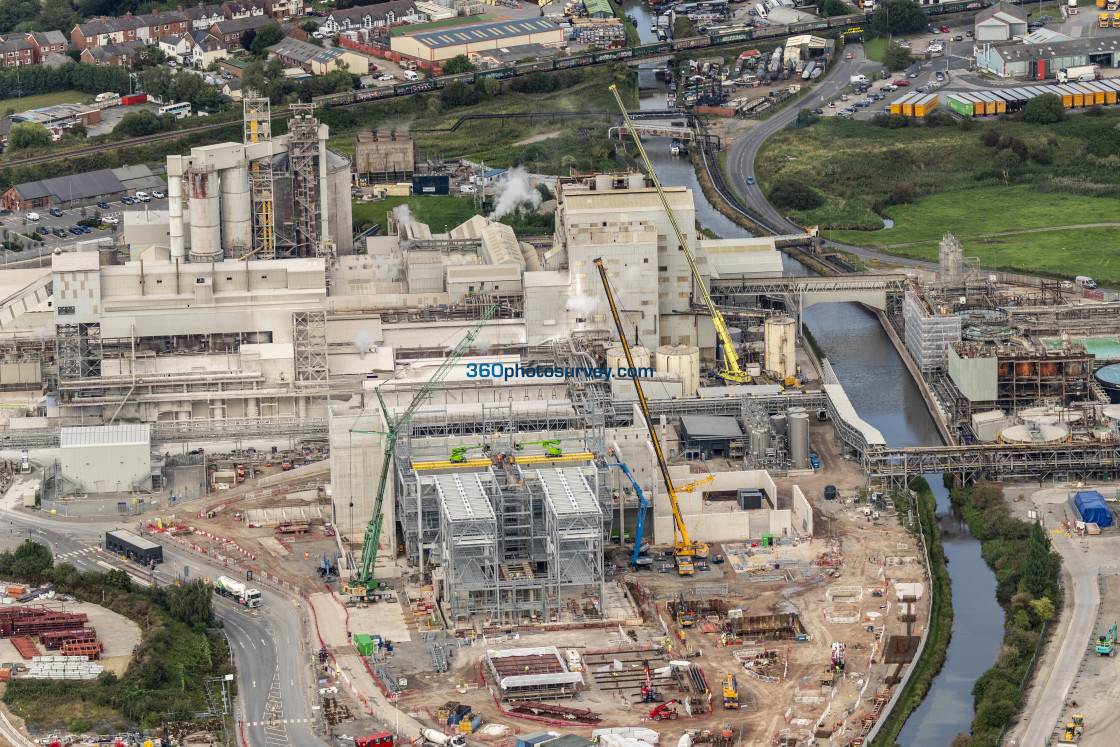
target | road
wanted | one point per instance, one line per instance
(1052, 687)
(273, 682)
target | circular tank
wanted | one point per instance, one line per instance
(602, 183)
(799, 440)
(237, 227)
(636, 181)
(1034, 434)
(736, 334)
(1112, 412)
(1048, 416)
(616, 357)
(760, 442)
(780, 351)
(683, 360)
(1109, 378)
(778, 425)
(206, 223)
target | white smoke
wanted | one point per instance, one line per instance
(583, 305)
(388, 266)
(365, 343)
(631, 276)
(514, 192)
(403, 215)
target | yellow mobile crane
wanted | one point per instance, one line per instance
(685, 548)
(730, 370)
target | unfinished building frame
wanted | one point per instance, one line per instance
(303, 160)
(257, 121)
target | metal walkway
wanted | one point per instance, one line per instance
(809, 290)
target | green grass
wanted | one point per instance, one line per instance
(875, 49)
(43, 99)
(435, 210)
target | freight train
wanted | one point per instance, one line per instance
(653, 49)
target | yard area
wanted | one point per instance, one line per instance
(26, 103)
(435, 210)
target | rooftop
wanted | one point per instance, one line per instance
(483, 32)
(106, 435)
(711, 426)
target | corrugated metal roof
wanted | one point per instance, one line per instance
(711, 426)
(76, 187)
(484, 32)
(106, 435)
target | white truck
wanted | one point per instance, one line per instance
(237, 591)
(858, 79)
(1071, 8)
(1079, 74)
(442, 740)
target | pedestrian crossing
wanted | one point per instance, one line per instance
(76, 553)
(279, 722)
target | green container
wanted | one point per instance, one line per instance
(960, 107)
(365, 644)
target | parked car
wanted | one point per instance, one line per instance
(84, 229)
(944, 29)
(958, 38)
(143, 197)
(385, 76)
(57, 231)
(103, 205)
(126, 200)
(75, 230)
(940, 75)
(55, 212)
(913, 75)
(158, 194)
(900, 82)
(5, 211)
(110, 220)
(33, 216)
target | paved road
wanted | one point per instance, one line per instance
(273, 681)
(1055, 684)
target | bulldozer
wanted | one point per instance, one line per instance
(1073, 731)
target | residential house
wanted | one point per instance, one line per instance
(229, 32)
(204, 16)
(112, 54)
(158, 24)
(205, 48)
(391, 13)
(16, 50)
(48, 42)
(107, 31)
(232, 89)
(237, 9)
(175, 47)
(284, 10)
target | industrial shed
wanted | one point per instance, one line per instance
(444, 43)
(103, 184)
(106, 458)
(709, 435)
(1041, 61)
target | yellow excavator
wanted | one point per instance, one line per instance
(685, 548)
(1074, 730)
(731, 370)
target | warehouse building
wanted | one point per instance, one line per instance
(297, 53)
(1001, 22)
(444, 43)
(81, 189)
(105, 459)
(1041, 61)
(709, 436)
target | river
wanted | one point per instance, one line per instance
(885, 395)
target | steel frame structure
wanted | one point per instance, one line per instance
(257, 124)
(303, 163)
(309, 329)
(468, 537)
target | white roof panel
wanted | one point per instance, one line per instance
(107, 435)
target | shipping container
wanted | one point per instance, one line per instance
(135, 98)
(431, 184)
(898, 107)
(925, 105)
(534, 739)
(964, 108)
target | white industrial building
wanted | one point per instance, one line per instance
(106, 458)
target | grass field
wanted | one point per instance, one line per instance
(934, 180)
(44, 99)
(436, 211)
(875, 49)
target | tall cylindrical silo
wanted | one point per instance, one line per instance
(799, 440)
(206, 216)
(781, 346)
(237, 220)
(778, 425)
(176, 230)
(683, 360)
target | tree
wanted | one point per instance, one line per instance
(1036, 567)
(458, 64)
(78, 130)
(490, 87)
(898, 17)
(459, 94)
(1044, 109)
(805, 117)
(897, 57)
(792, 194)
(898, 121)
(192, 603)
(28, 560)
(148, 57)
(29, 135)
(1043, 609)
(829, 8)
(138, 124)
(266, 36)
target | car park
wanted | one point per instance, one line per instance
(41, 230)
(33, 216)
(110, 220)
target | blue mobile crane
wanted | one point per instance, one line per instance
(636, 558)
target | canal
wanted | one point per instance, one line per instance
(885, 395)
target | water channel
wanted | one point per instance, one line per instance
(885, 395)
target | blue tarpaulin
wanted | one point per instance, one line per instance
(1093, 509)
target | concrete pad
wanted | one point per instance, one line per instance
(273, 546)
(385, 619)
(331, 619)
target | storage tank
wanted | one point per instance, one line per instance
(778, 425)
(760, 442)
(683, 360)
(237, 226)
(616, 357)
(636, 181)
(603, 182)
(1112, 412)
(781, 351)
(1034, 434)
(799, 440)
(206, 223)
(176, 229)
(1109, 378)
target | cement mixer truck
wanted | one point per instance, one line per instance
(237, 591)
(443, 740)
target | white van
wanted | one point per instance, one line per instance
(143, 197)
(410, 75)
(1085, 282)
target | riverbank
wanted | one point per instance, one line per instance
(936, 643)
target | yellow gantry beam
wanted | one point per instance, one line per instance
(583, 456)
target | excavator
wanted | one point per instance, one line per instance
(686, 618)
(664, 712)
(685, 548)
(1105, 644)
(730, 371)
(730, 692)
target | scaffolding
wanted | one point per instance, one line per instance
(303, 162)
(78, 347)
(928, 335)
(258, 129)
(309, 329)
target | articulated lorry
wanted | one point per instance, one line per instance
(237, 591)
(1079, 74)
